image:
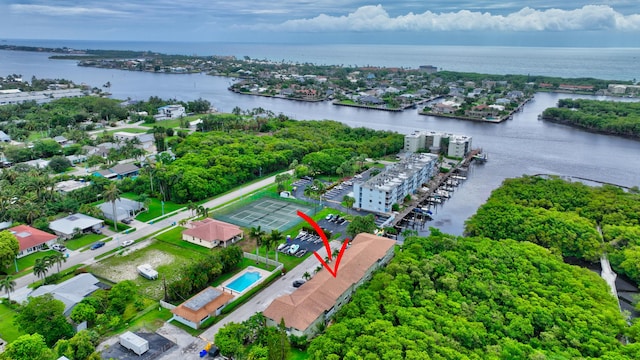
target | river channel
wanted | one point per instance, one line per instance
(522, 145)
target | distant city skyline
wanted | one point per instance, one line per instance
(598, 23)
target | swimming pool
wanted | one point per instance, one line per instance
(244, 281)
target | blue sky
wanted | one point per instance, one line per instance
(598, 23)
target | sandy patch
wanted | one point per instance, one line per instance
(127, 271)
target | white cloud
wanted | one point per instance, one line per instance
(376, 18)
(63, 10)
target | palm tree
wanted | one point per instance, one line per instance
(112, 194)
(274, 239)
(40, 268)
(58, 259)
(348, 201)
(257, 234)
(266, 241)
(306, 276)
(202, 211)
(191, 207)
(7, 284)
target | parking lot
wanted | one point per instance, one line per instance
(310, 242)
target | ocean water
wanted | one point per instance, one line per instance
(600, 63)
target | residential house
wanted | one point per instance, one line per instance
(445, 107)
(76, 159)
(71, 225)
(208, 302)
(370, 100)
(211, 233)
(171, 111)
(61, 140)
(125, 209)
(67, 186)
(70, 292)
(481, 111)
(31, 239)
(316, 301)
(119, 171)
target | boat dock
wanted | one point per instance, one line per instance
(436, 191)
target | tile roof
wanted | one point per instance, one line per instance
(213, 230)
(29, 237)
(302, 307)
(204, 303)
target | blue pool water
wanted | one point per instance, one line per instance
(247, 279)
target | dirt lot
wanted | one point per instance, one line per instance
(127, 271)
(123, 266)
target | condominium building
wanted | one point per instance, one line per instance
(396, 181)
(438, 142)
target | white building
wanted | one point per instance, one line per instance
(171, 111)
(437, 142)
(395, 182)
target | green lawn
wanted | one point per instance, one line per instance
(296, 354)
(8, 330)
(129, 130)
(152, 320)
(155, 210)
(172, 123)
(83, 241)
(26, 263)
(174, 237)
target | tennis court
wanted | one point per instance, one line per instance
(268, 213)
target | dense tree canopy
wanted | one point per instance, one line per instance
(212, 162)
(444, 297)
(614, 117)
(44, 315)
(9, 248)
(564, 217)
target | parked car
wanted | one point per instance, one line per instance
(126, 221)
(298, 283)
(126, 243)
(59, 247)
(97, 231)
(97, 245)
(294, 248)
(329, 217)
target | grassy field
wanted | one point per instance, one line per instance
(83, 241)
(163, 256)
(296, 354)
(26, 263)
(174, 237)
(155, 210)
(128, 130)
(172, 123)
(8, 330)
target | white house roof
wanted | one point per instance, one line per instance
(70, 292)
(123, 208)
(76, 221)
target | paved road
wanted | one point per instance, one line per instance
(143, 229)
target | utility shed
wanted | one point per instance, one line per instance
(134, 343)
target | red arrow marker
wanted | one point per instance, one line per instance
(320, 232)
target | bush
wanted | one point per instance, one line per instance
(299, 342)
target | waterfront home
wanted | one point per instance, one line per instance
(316, 301)
(31, 239)
(211, 233)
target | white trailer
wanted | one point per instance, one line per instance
(134, 343)
(147, 272)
